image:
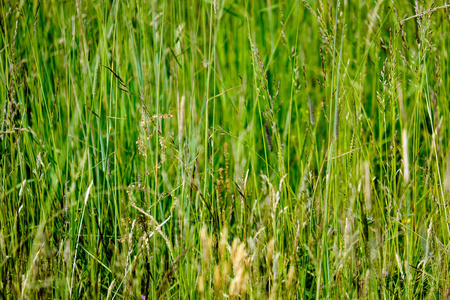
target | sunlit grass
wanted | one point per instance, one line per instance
(224, 149)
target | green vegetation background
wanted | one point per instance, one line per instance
(242, 149)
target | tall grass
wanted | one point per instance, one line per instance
(224, 149)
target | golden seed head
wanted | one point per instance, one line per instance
(290, 277)
(201, 284)
(270, 248)
(223, 243)
(217, 278)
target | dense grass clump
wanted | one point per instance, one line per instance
(224, 149)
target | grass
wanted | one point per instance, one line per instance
(224, 149)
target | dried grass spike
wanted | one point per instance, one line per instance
(405, 156)
(36, 16)
(311, 113)
(336, 124)
(268, 136)
(447, 174)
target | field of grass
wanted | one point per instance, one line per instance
(224, 149)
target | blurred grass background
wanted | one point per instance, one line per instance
(224, 149)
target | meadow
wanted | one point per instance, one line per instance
(214, 149)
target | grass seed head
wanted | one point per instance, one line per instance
(312, 119)
(223, 243)
(290, 277)
(447, 175)
(206, 242)
(217, 280)
(201, 284)
(405, 156)
(270, 248)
